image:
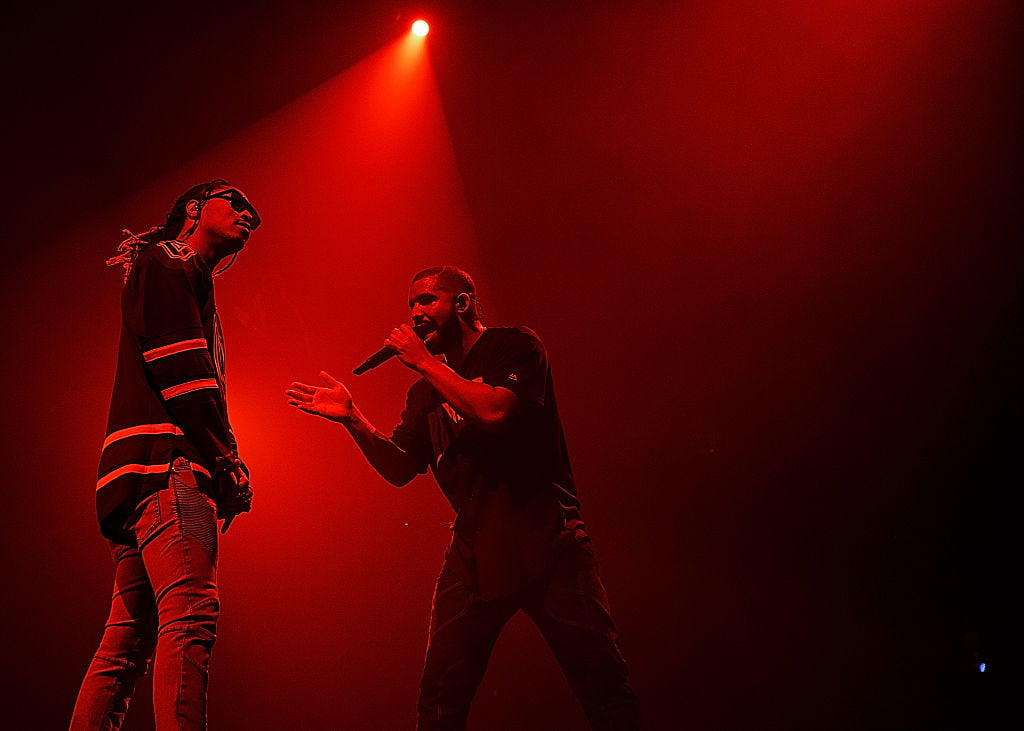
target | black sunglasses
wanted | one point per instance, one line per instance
(239, 203)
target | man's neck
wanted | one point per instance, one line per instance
(204, 249)
(470, 334)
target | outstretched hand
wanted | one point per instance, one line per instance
(332, 402)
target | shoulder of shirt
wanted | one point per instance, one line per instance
(516, 333)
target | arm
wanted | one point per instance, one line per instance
(489, 407)
(334, 402)
(486, 406)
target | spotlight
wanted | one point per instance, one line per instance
(420, 28)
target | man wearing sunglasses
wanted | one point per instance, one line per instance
(169, 467)
(239, 203)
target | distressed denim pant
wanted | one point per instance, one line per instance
(165, 599)
(570, 608)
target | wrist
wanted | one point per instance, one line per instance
(353, 420)
(226, 463)
(427, 365)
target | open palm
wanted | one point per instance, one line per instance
(332, 402)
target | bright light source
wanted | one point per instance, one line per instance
(420, 28)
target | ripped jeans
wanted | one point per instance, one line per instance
(165, 604)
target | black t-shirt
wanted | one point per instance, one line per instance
(513, 491)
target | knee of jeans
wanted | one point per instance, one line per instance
(192, 641)
(201, 604)
(133, 643)
(134, 662)
(201, 620)
(200, 635)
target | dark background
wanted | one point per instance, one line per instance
(774, 252)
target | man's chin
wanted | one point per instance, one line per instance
(230, 247)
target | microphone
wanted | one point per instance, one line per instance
(386, 353)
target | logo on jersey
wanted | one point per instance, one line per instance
(445, 435)
(452, 413)
(183, 252)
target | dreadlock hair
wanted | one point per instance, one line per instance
(456, 281)
(129, 248)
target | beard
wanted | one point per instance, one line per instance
(446, 336)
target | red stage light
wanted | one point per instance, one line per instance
(420, 28)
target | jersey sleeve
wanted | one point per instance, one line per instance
(520, 364)
(163, 312)
(412, 434)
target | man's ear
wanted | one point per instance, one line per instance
(462, 302)
(192, 208)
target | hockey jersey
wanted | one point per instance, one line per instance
(168, 395)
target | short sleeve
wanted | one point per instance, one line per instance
(520, 364)
(412, 435)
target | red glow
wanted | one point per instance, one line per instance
(420, 28)
(782, 193)
(367, 160)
